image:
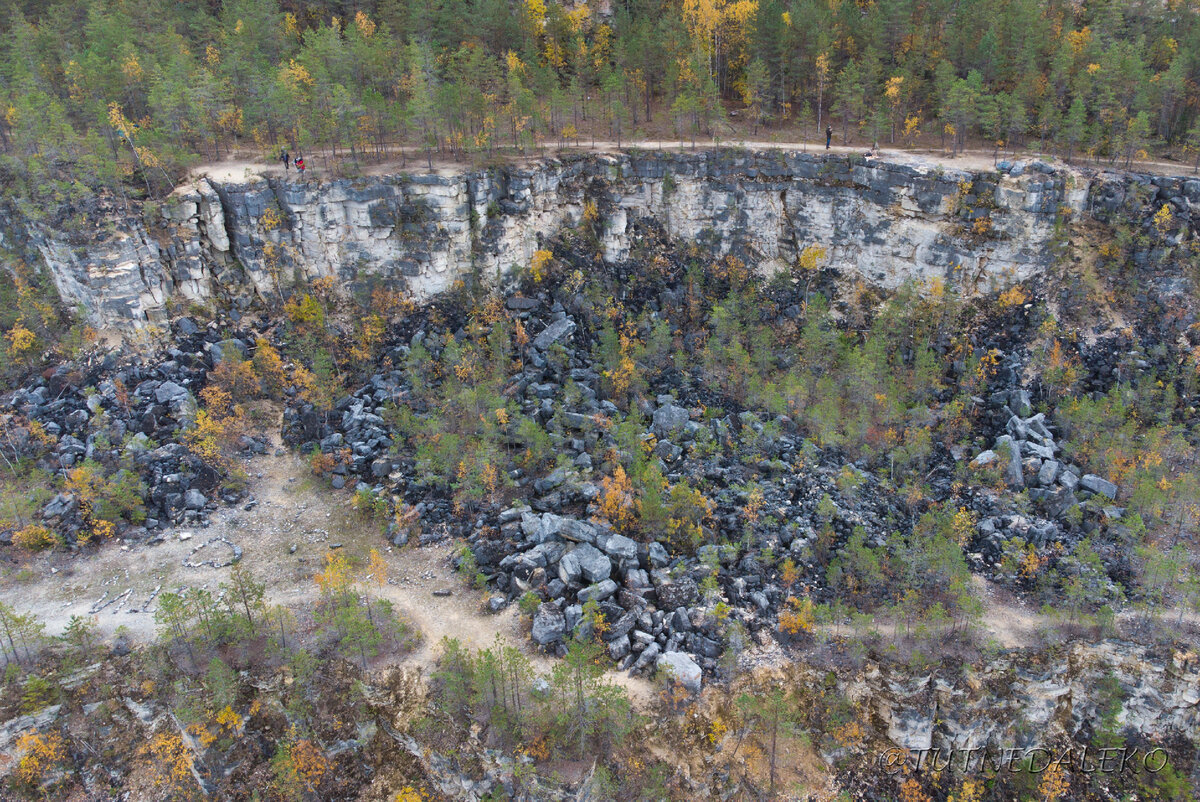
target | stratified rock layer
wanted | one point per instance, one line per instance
(884, 222)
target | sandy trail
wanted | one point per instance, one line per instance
(243, 169)
(1005, 618)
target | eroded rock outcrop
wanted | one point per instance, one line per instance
(884, 222)
(1005, 703)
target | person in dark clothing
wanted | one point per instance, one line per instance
(828, 136)
(287, 162)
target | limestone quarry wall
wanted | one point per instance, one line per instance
(884, 222)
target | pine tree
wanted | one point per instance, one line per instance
(244, 596)
(174, 618)
(770, 714)
(81, 635)
(755, 94)
(849, 104)
(1075, 126)
(23, 628)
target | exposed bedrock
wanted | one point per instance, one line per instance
(881, 221)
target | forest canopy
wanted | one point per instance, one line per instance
(127, 95)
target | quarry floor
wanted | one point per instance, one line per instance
(285, 538)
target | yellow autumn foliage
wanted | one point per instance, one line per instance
(538, 266)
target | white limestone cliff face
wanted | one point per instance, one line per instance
(885, 223)
(122, 275)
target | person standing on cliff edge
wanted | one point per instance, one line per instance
(828, 136)
(283, 155)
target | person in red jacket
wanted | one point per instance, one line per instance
(300, 164)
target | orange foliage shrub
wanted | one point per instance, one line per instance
(789, 573)
(1015, 295)
(539, 265)
(309, 763)
(269, 366)
(1055, 784)
(34, 538)
(170, 760)
(39, 754)
(322, 463)
(616, 499)
(911, 792)
(798, 617)
(235, 377)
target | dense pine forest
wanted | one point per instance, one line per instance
(107, 93)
